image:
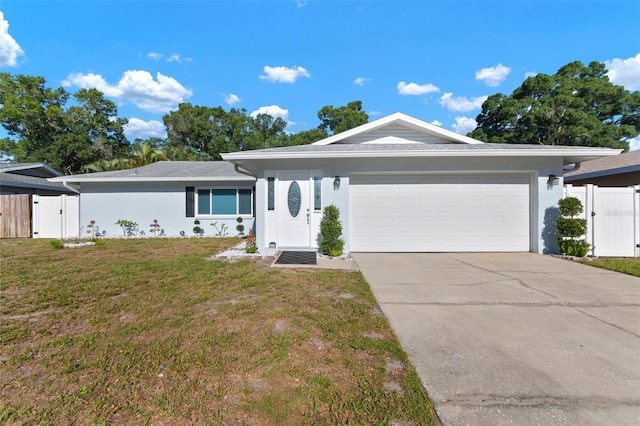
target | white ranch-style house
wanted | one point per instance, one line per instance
(401, 184)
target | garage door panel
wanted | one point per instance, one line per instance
(439, 213)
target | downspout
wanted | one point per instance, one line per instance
(236, 167)
(70, 188)
(576, 166)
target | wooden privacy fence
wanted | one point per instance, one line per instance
(15, 216)
(613, 218)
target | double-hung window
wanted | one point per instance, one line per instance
(224, 202)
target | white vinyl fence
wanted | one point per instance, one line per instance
(56, 216)
(613, 218)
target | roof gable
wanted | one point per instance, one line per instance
(397, 128)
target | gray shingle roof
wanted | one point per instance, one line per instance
(418, 147)
(166, 170)
(624, 163)
(22, 181)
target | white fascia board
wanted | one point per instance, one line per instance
(412, 122)
(74, 179)
(571, 155)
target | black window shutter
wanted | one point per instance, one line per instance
(191, 201)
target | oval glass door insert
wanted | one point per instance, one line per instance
(294, 198)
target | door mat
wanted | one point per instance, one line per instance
(289, 257)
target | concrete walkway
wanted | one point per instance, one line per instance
(515, 339)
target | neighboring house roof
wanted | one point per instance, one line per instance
(626, 162)
(29, 169)
(164, 171)
(399, 135)
(29, 175)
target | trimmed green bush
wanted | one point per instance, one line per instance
(571, 229)
(331, 243)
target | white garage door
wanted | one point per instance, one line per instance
(439, 213)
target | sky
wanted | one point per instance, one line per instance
(434, 60)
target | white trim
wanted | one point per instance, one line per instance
(570, 155)
(398, 117)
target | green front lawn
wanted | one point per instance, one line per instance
(628, 265)
(150, 331)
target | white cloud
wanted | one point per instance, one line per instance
(436, 123)
(634, 144)
(160, 95)
(301, 3)
(10, 50)
(174, 58)
(273, 110)
(530, 74)
(284, 74)
(625, 72)
(493, 76)
(371, 113)
(137, 128)
(464, 125)
(461, 103)
(231, 98)
(415, 88)
(155, 56)
(360, 81)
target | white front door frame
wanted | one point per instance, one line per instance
(294, 231)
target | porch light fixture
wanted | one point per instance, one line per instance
(336, 183)
(553, 181)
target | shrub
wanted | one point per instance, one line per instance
(240, 226)
(56, 244)
(129, 227)
(196, 229)
(571, 229)
(331, 243)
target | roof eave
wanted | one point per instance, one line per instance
(571, 156)
(74, 179)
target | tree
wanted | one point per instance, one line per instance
(304, 137)
(265, 132)
(206, 131)
(342, 118)
(576, 106)
(42, 128)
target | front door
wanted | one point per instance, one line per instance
(294, 213)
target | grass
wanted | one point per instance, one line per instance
(627, 265)
(149, 331)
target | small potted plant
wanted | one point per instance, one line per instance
(196, 229)
(240, 227)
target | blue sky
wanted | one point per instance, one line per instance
(434, 60)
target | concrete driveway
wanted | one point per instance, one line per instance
(518, 338)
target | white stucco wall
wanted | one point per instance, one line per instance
(145, 201)
(543, 201)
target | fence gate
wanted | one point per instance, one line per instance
(15, 216)
(56, 216)
(613, 218)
